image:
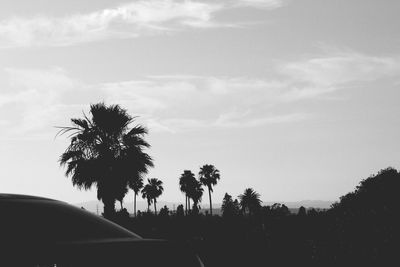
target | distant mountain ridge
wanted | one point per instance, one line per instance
(97, 206)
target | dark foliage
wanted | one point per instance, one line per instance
(230, 207)
(105, 153)
(360, 230)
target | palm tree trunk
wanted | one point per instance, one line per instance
(186, 204)
(189, 204)
(155, 207)
(134, 204)
(121, 205)
(209, 195)
(109, 208)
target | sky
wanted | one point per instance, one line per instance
(298, 99)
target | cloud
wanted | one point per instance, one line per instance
(129, 20)
(266, 4)
(321, 75)
(125, 21)
(238, 120)
(32, 101)
(34, 98)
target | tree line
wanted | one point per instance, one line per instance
(362, 228)
(106, 152)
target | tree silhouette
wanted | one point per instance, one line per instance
(229, 207)
(250, 201)
(302, 211)
(146, 194)
(195, 192)
(136, 185)
(185, 183)
(179, 211)
(279, 210)
(164, 211)
(152, 190)
(377, 194)
(209, 177)
(120, 196)
(105, 152)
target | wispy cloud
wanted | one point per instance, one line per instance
(320, 75)
(266, 4)
(36, 100)
(129, 20)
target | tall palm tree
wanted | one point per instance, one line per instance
(153, 189)
(185, 182)
(250, 201)
(105, 152)
(209, 177)
(136, 185)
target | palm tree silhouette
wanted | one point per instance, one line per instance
(195, 192)
(250, 201)
(152, 190)
(105, 152)
(209, 177)
(120, 196)
(146, 194)
(136, 185)
(185, 182)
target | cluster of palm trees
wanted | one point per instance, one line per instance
(192, 188)
(249, 203)
(151, 191)
(106, 153)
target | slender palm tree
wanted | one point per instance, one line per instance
(153, 189)
(146, 194)
(136, 185)
(250, 201)
(105, 152)
(184, 184)
(209, 177)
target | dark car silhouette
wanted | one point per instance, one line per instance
(38, 231)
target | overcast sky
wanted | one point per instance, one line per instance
(298, 99)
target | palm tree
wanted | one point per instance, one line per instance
(105, 152)
(195, 192)
(209, 177)
(120, 197)
(250, 201)
(184, 184)
(153, 189)
(146, 194)
(136, 185)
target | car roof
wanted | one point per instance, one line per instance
(8, 196)
(27, 217)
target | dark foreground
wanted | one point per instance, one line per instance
(362, 229)
(308, 240)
